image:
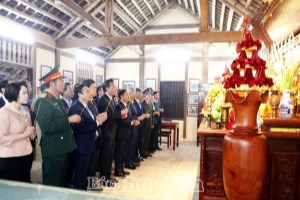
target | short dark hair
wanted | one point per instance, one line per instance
(121, 92)
(78, 90)
(107, 83)
(138, 90)
(3, 84)
(66, 86)
(43, 87)
(12, 91)
(155, 92)
(99, 88)
(87, 82)
(48, 84)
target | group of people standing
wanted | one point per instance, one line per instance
(84, 129)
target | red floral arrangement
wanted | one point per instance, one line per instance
(247, 64)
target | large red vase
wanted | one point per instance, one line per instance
(244, 150)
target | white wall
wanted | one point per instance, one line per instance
(68, 64)
(43, 57)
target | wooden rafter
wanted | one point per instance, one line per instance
(263, 33)
(58, 7)
(179, 2)
(186, 5)
(157, 4)
(204, 15)
(166, 1)
(192, 6)
(109, 12)
(125, 18)
(27, 17)
(230, 36)
(213, 14)
(229, 20)
(117, 25)
(83, 14)
(139, 9)
(150, 8)
(129, 12)
(222, 17)
(239, 24)
(248, 3)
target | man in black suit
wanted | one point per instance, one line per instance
(2, 89)
(123, 133)
(108, 132)
(85, 136)
(67, 96)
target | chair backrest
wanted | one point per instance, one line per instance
(166, 119)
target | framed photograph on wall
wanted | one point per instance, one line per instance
(99, 80)
(192, 99)
(192, 111)
(116, 82)
(194, 85)
(151, 83)
(68, 76)
(44, 70)
(128, 85)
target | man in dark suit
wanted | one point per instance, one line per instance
(123, 133)
(2, 89)
(67, 96)
(85, 136)
(108, 133)
(156, 121)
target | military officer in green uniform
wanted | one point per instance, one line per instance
(57, 140)
(148, 124)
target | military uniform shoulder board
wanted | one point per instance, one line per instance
(43, 96)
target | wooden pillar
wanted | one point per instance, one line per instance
(185, 98)
(205, 63)
(142, 68)
(158, 76)
(34, 73)
(57, 57)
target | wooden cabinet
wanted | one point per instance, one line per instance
(283, 173)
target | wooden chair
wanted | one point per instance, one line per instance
(165, 133)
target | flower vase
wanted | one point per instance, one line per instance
(286, 105)
(244, 150)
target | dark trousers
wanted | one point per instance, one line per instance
(107, 149)
(55, 170)
(83, 163)
(139, 143)
(155, 135)
(132, 143)
(120, 153)
(70, 170)
(146, 134)
(16, 168)
(96, 163)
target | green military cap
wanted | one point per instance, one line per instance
(148, 91)
(53, 74)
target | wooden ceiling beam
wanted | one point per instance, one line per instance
(186, 5)
(126, 18)
(140, 10)
(222, 17)
(204, 15)
(213, 14)
(128, 12)
(86, 16)
(202, 37)
(150, 8)
(229, 20)
(263, 33)
(248, 3)
(58, 7)
(166, 1)
(119, 26)
(109, 12)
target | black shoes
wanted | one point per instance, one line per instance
(158, 149)
(108, 182)
(125, 172)
(130, 166)
(144, 156)
(119, 174)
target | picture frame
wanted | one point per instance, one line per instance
(192, 99)
(194, 85)
(116, 82)
(151, 83)
(99, 80)
(192, 111)
(45, 69)
(68, 76)
(128, 85)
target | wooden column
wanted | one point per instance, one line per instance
(158, 76)
(142, 68)
(34, 73)
(109, 12)
(185, 98)
(205, 63)
(57, 57)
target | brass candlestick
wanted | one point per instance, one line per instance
(274, 100)
(224, 115)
